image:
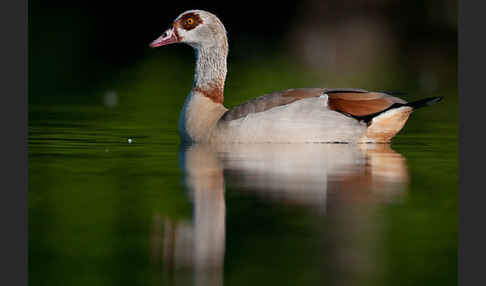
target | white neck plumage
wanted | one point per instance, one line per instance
(211, 69)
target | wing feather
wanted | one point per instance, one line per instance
(349, 101)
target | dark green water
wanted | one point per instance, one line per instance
(106, 212)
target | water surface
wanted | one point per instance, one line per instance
(103, 211)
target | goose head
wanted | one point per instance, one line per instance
(197, 28)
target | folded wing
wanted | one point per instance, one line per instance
(349, 101)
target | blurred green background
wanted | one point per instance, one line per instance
(94, 83)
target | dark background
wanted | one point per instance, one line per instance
(74, 44)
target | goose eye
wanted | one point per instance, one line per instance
(190, 21)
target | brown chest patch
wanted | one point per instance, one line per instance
(214, 93)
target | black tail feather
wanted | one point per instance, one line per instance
(424, 102)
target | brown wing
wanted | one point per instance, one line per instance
(352, 101)
(360, 104)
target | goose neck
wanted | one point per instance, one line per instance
(210, 73)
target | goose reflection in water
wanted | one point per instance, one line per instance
(342, 182)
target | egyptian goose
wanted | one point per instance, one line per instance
(293, 115)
